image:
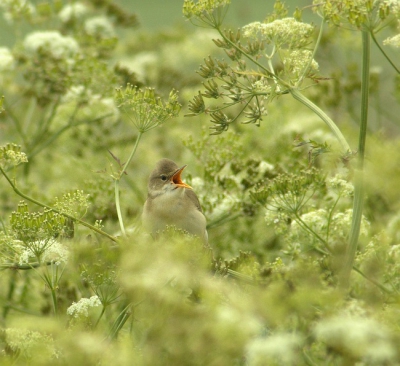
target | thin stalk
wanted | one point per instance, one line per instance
(75, 219)
(17, 123)
(305, 71)
(306, 227)
(296, 94)
(116, 184)
(383, 52)
(120, 321)
(57, 134)
(376, 283)
(100, 316)
(29, 113)
(223, 219)
(330, 217)
(358, 202)
(262, 67)
(10, 293)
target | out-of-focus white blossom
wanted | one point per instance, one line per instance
(75, 93)
(100, 27)
(50, 251)
(6, 59)
(27, 342)
(81, 308)
(224, 207)
(92, 105)
(197, 184)
(279, 349)
(342, 186)
(53, 42)
(393, 41)
(72, 11)
(264, 167)
(359, 338)
(15, 9)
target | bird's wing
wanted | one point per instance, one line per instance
(193, 197)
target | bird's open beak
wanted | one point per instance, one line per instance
(176, 178)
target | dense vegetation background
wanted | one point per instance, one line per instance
(96, 92)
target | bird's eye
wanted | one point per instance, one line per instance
(163, 177)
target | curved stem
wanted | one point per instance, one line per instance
(262, 67)
(330, 217)
(320, 113)
(305, 71)
(306, 227)
(358, 202)
(116, 184)
(376, 283)
(100, 316)
(75, 219)
(383, 52)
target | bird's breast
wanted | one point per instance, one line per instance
(173, 207)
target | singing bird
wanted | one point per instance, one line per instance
(172, 202)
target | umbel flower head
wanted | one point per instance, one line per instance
(11, 155)
(284, 33)
(52, 42)
(35, 226)
(145, 109)
(210, 12)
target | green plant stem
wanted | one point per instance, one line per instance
(296, 94)
(358, 202)
(10, 293)
(383, 52)
(120, 321)
(376, 283)
(117, 180)
(262, 67)
(294, 91)
(223, 219)
(330, 217)
(322, 240)
(100, 316)
(75, 219)
(17, 123)
(305, 71)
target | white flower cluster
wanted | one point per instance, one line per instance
(281, 32)
(92, 105)
(53, 42)
(6, 59)
(341, 223)
(99, 26)
(276, 219)
(13, 9)
(27, 342)
(317, 220)
(277, 349)
(342, 186)
(359, 338)
(296, 61)
(72, 11)
(192, 8)
(393, 41)
(81, 308)
(261, 86)
(50, 249)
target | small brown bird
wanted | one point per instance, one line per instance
(172, 202)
